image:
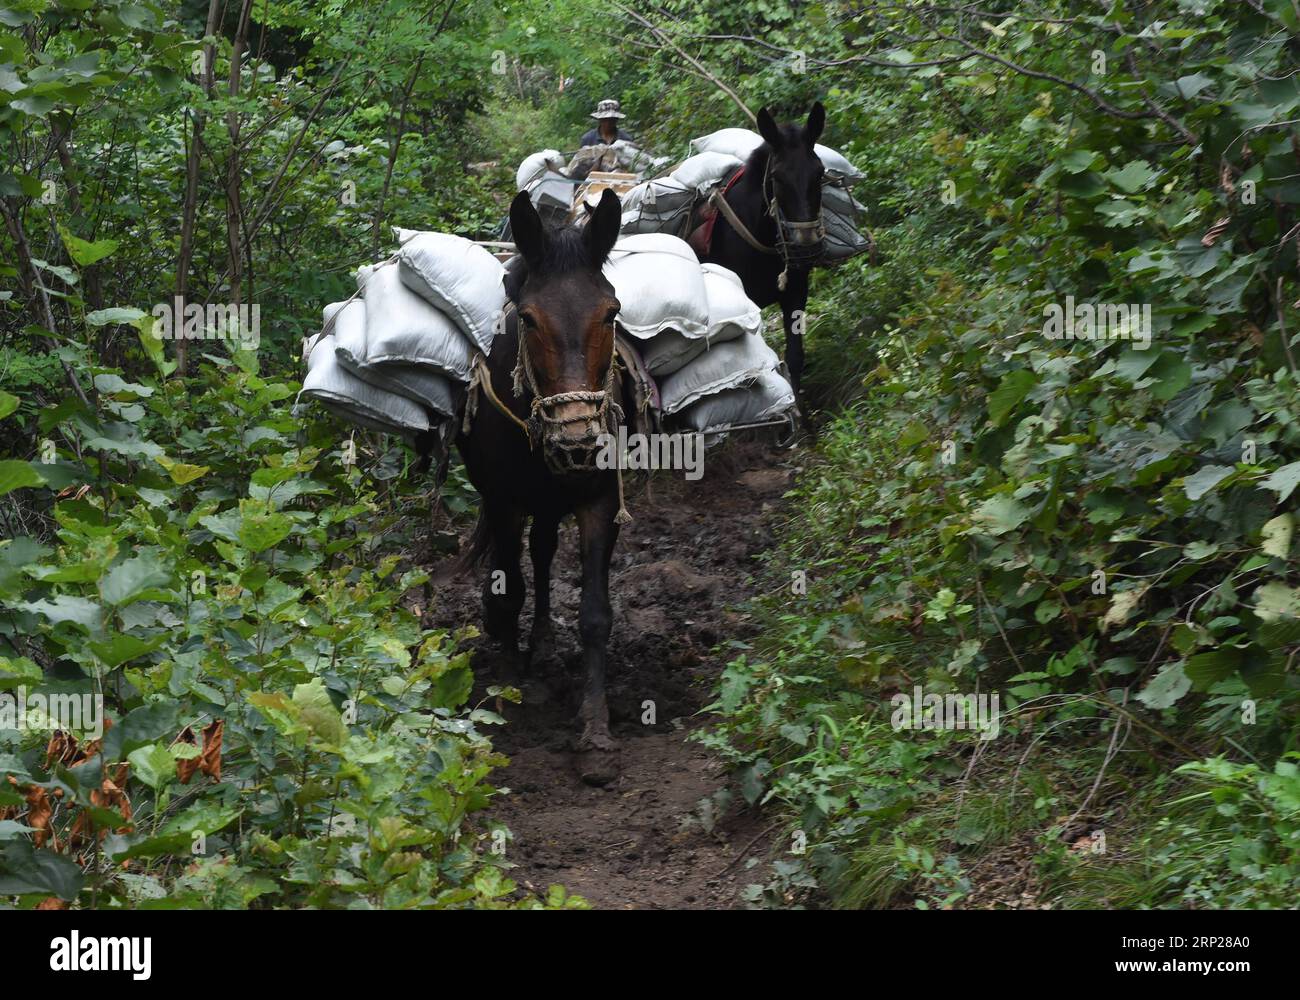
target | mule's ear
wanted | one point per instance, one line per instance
(767, 128)
(816, 123)
(602, 228)
(527, 230)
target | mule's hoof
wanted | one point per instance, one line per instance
(544, 656)
(598, 767)
(597, 757)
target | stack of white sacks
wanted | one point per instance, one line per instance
(699, 335)
(665, 204)
(396, 357)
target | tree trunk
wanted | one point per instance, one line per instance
(190, 205)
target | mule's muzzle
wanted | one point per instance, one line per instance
(802, 242)
(569, 426)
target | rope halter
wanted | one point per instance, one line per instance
(564, 454)
(799, 243)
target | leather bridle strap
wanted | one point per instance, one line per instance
(718, 200)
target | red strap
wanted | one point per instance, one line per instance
(701, 239)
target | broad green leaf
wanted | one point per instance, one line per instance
(1204, 480)
(1166, 687)
(1283, 480)
(27, 870)
(1276, 535)
(1275, 601)
(135, 578)
(118, 314)
(1000, 514)
(65, 608)
(86, 253)
(153, 764)
(1133, 177)
(317, 712)
(182, 473)
(1204, 669)
(17, 475)
(1013, 388)
(258, 532)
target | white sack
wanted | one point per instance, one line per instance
(459, 277)
(659, 285)
(534, 166)
(666, 352)
(424, 387)
(706, 170)
(356, 401)
(402, 328)
(732, 313)
(765, 398)
(723, 366)
(351, 321)
(740, 142)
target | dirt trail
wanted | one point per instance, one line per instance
(681, 567)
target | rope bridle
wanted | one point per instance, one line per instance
(796, 252)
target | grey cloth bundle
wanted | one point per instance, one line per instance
(767, 397)
(664, 204)
(726, 366)
(357, 401)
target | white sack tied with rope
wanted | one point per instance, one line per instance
(731, 365)
(664, 204)
(351, 323)
(393, 358)
(402, 330)
(741, 142)
(659, 285)
(536, 165)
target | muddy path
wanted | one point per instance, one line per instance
(668, 832)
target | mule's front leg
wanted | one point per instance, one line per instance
(794, 303)
(598, 533)
(503, 590)
(543, 540)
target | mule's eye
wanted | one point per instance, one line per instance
(528, 321)
(612, 315)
